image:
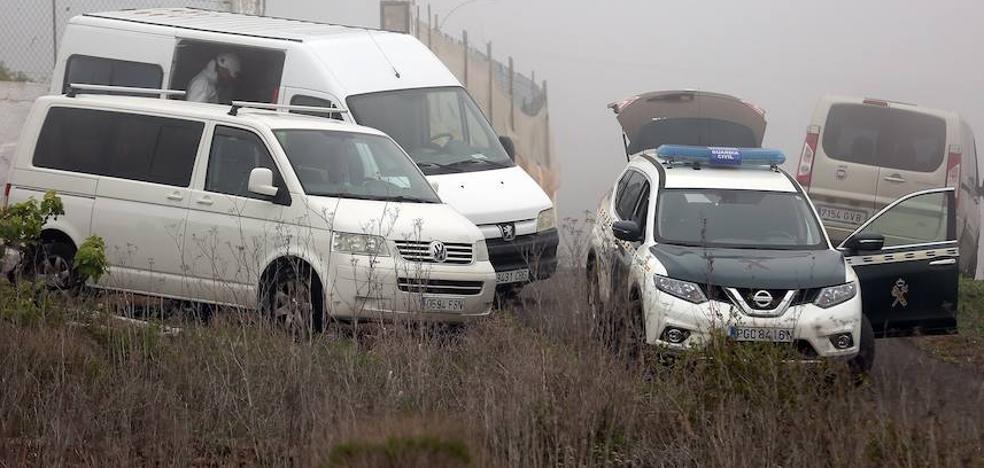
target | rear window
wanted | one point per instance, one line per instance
(127, 146)
(692, 131)
(885, 137)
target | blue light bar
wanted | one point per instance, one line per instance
(712, 156)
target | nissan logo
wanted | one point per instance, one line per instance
(438, 251)
(762, 298)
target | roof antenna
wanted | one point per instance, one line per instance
(381, 51)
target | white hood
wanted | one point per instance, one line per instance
(396, 221)
(491, 197)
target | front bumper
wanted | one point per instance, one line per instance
(537, 252)
(388, 288)
(812, 326)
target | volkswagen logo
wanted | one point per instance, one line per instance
(508, 231)
(762, 298)
(438, 251)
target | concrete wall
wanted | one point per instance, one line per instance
(15, 103)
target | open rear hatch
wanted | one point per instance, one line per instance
(694, 118)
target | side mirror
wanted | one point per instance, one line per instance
(436, 186)
(627, 230)
(509, 146)
(261, 182)
(864, 242)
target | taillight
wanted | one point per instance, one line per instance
(804, 174)
(6, 195)
(953, 169)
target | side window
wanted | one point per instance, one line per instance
(302, 100)
(136, 147)
(234, 154)
(642, 208)
(922, 219)
(627, 199)
(83, 69)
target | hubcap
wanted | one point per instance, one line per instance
(56, 272)
(292, 306)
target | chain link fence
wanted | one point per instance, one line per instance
(31, 30)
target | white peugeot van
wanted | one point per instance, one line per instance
(861, 154)
(301, 217)
(388, 81)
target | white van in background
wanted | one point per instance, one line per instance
(388, 81)
(205, 203)
(861, 154)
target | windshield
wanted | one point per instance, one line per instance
(737, 219)
(347, 165)
(441, 128)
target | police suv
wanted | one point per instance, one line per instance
(705, 239)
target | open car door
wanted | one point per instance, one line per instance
(907, 263)
(694, 118)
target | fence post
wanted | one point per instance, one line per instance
(512, 95)
(546, 129)
(54, 33)
(488, 52)
(464, 39)
(430, 27)
(416, 24)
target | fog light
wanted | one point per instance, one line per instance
(842, 341)
(675, 335)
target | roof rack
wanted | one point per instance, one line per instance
(75, 89)
(236, 105)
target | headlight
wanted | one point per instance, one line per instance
(359, 244)
(546, 220)
(481, 251)
(683, 289)
(834, 295)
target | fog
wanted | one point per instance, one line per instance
(778, 54)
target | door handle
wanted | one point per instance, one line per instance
(895, 178)
(207, 201)
(175, 196)
(943, 262)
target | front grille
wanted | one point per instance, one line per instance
(749, 294)
(538, 252)
(419, 251)
(433, 286)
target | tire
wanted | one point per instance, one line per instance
(293, 300)
(629, 331)
(860, 365)
(54, 265)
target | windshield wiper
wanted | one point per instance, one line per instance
(479, 161)
(447, 167)
(392, 198)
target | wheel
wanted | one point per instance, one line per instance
(629, 330)
(294, 300)
(54, 265)
(860, 365)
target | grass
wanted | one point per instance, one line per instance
(966, 348)
(529, 387)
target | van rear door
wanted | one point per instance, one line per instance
(688, 118)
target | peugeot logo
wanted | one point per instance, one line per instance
(508, 231)
(438, 251)
(762, 298)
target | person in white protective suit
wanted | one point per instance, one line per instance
(223, 70)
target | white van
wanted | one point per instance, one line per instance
(302, 217)
(861, 154)
(388, 81)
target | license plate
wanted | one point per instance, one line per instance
(842, 215)
(443, 304)
(780, 335)
(515, 276)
